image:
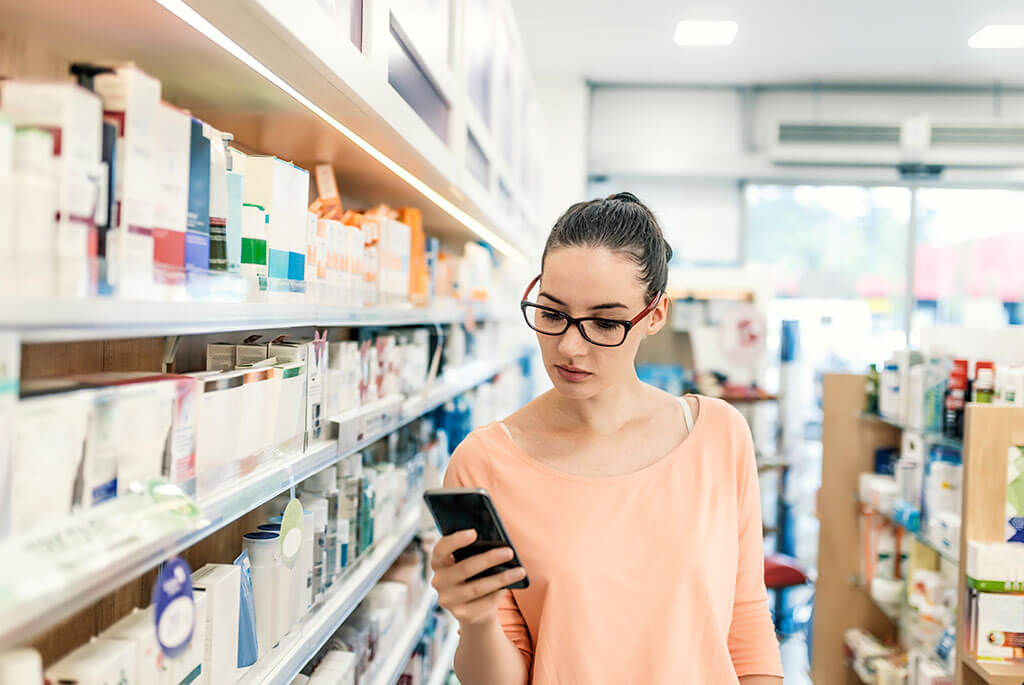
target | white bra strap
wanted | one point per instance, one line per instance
(687, 414)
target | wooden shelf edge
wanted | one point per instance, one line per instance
(996, 674)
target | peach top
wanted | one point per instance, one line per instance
(653, 577)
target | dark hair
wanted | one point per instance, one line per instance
(621, 223)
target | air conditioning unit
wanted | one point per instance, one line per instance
(915, 142)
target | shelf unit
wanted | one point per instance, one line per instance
(850, 439)
(280, 665)
(390, 669)
(75, 589)
(100, 318)
(443, 662)
(283, 80)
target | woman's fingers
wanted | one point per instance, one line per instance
(479, 563)
(456, 595)
(444, 548)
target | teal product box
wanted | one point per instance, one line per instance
(297, 221)
(268, 185)
(197, 237)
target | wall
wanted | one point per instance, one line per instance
(565, 105)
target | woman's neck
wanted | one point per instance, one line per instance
(604, 413)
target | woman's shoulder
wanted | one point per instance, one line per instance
(470, 463)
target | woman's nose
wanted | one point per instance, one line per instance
(572, 343)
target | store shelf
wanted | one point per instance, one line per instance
(284, 83)
(50, 590)
(97, 318)
(446, 658)
(283, 663)
(996, 674)
(929, 436)
(390, 669)
(945, 554)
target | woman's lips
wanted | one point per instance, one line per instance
(572, 374)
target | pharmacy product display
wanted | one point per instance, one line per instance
(113, 191)
(305, 558)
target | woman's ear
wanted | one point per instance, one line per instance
(659, 317)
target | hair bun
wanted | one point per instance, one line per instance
(626, 196)
(668, 251)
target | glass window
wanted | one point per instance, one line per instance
(427, 23)
(970, 244)
(407, 77)
(480, 55)
(840, 252)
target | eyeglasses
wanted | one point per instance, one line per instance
(595, 330)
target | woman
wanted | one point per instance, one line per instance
(636, 514)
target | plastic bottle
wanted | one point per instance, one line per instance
(956, 398)
(871, 390)
(984, 382)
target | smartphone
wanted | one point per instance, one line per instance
(456, 509)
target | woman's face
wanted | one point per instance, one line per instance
(584, 282)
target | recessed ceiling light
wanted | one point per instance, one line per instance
(706, 33)
(1003, 36)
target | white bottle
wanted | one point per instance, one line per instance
(264, 550)
(318, 505)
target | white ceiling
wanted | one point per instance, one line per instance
(779, 41)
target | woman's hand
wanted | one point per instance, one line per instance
(472, 603)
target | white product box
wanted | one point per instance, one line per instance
(259, 388)
(997, 625)
(49, 439)
(315, 356)
(219, 408)
(288, 424)
(248, 354)
(170, 205)
(131, 100)
(137, 628)
(7, 226)
(220, 583)
(99, 461)
(218, 198)
(995, 566)
(33, 233)
(75, 115)
(187, 667)
(395, 259)
(268, 185)
(220, 356)
(10, 368)
(100, 662)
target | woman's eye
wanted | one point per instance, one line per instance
(606, 325)
(550, 316)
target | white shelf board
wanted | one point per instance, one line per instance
(52, 319)
(280, 665)
(267, 86)
(67, 590)
(389, 670)
(444, 660)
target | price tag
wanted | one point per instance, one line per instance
(175, 611)
(291, 533)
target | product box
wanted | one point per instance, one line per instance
(418, 275)
(157, 424)
(1015, 494)
(49, 441)
(131, 101)
(259, 387)
(138, 630)
(233, 230)
(218, 199)
(221, 585)
(170, 218)
(248, 353)
(314, 354)
(316, 249)
(7, 227)
(33, 234)
(197, 239)
(99, 461)
(268, 186)
(74, 115)
(328, 198)
(995, 566)
(254, 244)
(10, 368)
(100, 662)
(996, 626)
(187, 668)
(221, 402)
(395, 256)
(298, 200)
(220, 356)
(288, 411)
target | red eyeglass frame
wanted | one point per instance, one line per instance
(576, 322)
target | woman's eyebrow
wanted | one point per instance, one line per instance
(609, 305)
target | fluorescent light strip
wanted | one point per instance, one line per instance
(998, 37)
(200, 23)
